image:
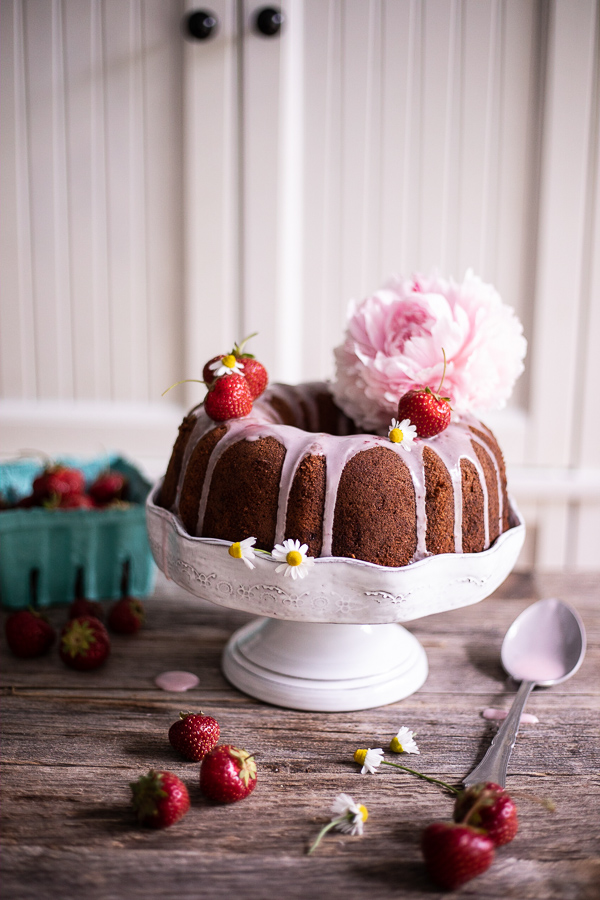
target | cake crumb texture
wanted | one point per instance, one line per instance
(375, 511)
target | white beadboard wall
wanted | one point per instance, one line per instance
(163, 197)
(91, 303)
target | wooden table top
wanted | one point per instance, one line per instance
(72, 742)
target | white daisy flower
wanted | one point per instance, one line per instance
(402, 433)
(295, 562)
(227, 365)
(369, 760)
(242, 550)
(404, 742)
(353, 814)
(348, 817)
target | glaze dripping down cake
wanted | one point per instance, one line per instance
(298, 467)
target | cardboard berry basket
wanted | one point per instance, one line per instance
(46, 555)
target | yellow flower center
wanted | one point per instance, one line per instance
(396, 746)
(229, 361)
(360, 757)
(294, 558)
(236, 550)
(364, 812)
(396, 436)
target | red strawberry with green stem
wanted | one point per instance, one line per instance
(57, 482)
(427, 410)
(84, 643)
(494, 811)
(228, 398)
(194, 735)
(108, 487)
(227, 774)
(254, 372)
(455, 853)
(28, 634)
(159, 799)
(126, 616)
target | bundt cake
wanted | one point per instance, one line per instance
(298, 468)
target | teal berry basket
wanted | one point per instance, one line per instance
(47, 556)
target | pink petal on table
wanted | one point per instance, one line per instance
(176, 681)
(491, 713)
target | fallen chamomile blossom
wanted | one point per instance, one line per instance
(293, 558)
(348, 817)
(404, 742)
(369, 760)
(372, 759)
(243, 550)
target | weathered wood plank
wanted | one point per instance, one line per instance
(72, 743)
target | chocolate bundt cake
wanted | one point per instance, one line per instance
(297, 468)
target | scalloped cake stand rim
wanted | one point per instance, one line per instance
(327, 642)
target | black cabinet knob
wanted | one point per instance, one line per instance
(269, 20)
(200, 24)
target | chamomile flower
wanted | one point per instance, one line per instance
(243, 550)
(348, 817)
(294, 561)
(402, 433)
(369, 760)
(404, 742)
(227, 365)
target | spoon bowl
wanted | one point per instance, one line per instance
(545, 645)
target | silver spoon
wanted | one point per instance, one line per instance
(545, 645)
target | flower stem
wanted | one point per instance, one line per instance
(453, 790)
(443, 373)
(324, 831)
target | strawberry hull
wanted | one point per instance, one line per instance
(46, 555)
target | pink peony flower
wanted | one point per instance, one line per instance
(394, 342)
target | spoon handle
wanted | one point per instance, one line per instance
(495, 762)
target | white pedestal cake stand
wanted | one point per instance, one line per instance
(329, 642)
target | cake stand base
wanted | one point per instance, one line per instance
(322, 667)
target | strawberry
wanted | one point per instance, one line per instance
(455, 853)
(208, 375)
(228, 398)
(28, 634)
(126, 616)
(84, 643)
(427, 410)
(82, 607)
(255, 374)
(108, 487)
(57, 481)
(253, 371)
(159, 799)
(227, 774)
(71, 501)
(194, 735)
(489, 807)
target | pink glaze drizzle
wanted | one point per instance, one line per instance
(451, 446)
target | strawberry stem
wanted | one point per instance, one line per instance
(443, 373)
(239, 347)
(478, 803)
(184, 381)
(448, 787)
